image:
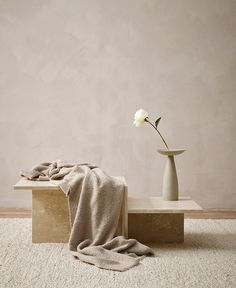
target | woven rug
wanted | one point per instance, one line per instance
(206, 259)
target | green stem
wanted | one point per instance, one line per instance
(146, 119)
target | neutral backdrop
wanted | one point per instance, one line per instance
(72, 74)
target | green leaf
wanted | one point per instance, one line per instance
(157, 121)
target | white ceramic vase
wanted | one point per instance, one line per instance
(170, 189)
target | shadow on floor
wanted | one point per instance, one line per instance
(223, 241)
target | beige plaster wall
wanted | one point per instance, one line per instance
(72, 74)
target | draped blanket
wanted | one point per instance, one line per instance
(94, 200)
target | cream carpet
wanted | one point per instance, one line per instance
(206, 259)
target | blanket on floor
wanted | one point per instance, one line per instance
(94, 200)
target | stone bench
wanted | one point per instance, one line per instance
(50, 214)
(147, 219)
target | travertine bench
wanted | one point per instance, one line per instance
(50, 214)
(149, 219)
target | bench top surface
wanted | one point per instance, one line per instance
(158, 205)
(135, 205)
(24, 184)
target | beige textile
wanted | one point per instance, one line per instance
(94, 200)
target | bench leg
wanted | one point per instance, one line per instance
(50, 217)
(162, 227)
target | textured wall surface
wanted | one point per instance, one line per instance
(72, 74)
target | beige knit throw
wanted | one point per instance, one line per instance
(94, 200)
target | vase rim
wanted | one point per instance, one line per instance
(171, 152)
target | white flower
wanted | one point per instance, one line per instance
(139, 117)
